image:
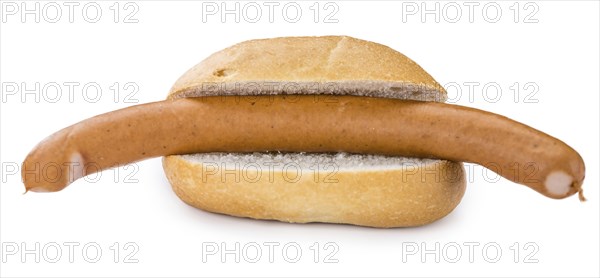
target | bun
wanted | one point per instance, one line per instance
(309, 65)
(366, 190)
(384, 194)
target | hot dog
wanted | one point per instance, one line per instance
(364, 113)
(344, 124)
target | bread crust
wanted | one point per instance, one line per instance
(383, 198)
(309, 65)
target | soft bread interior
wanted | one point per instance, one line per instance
(367, 88)
(308, 161)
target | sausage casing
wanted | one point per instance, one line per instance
(307, 123)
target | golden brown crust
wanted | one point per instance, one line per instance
(392, 197)
(339, 64)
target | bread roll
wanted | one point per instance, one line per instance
(366, 190)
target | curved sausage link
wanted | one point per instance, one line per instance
(306, 124)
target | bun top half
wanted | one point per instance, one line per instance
(338, 65)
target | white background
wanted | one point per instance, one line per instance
(558, 55)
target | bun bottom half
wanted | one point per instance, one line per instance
(364, 190)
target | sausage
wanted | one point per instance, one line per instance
(306, 123)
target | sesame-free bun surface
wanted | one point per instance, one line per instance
(380, 192)
(365, 190)
(309, 65)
